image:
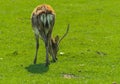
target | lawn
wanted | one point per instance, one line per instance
(91, 48)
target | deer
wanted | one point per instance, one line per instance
(43, 20)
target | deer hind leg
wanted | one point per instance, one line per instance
(37, 47)
(47, 51)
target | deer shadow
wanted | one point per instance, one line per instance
(37, 68)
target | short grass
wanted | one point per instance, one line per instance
(91, 49)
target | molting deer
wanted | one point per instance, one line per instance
(43, 19)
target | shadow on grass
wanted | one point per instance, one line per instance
(37, 68)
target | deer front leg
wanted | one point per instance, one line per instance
(37, 47)
(51, 52)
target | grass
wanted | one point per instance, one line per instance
(91, 48)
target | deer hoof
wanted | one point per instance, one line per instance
(34, 62)
(47, 64)
(54, 60)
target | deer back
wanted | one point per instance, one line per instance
(43, 19)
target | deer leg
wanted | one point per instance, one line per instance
(47, 51)
(37, 47)
(52, 54)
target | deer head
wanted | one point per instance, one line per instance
(56, 41)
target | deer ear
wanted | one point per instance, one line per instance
(57, 38)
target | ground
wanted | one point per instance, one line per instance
(91, 48)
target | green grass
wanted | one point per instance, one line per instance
(92, 47)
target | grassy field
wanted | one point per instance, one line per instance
(91, 49)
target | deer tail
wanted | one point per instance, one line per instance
(47, 20)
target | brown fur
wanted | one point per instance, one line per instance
(44, 8)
